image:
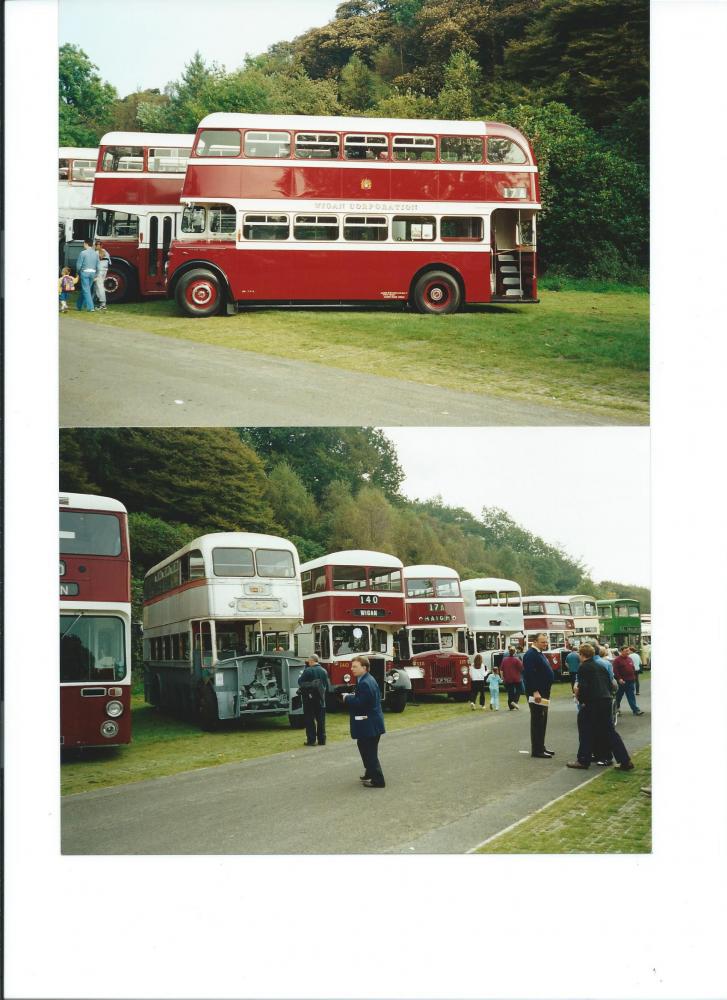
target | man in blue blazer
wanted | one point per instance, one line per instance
(538, 678)
(367, 721)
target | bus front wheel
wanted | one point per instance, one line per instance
(437, 292)
(199, 293)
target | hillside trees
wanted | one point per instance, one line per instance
(86, 102)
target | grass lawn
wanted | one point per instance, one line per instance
(610, 815)
(557, 351)
(163, 745)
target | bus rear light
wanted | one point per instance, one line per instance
(114, 709)
(109, 729)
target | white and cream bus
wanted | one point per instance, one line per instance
(493, 610)
(221, 597)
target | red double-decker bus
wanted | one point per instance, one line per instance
(303, 209)
(432, 647)
(353, 602)
(136, 189)
(552, 615)
(95, 622)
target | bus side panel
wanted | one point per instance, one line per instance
(412, 184)
(82, 716)
(462, 185)
(309, 182)
(162, 190)
(344, 275)
(219, 181)
(365, 184)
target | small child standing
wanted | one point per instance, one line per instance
(493, 681)
(66, 284)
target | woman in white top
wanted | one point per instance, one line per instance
(98, 282)
(477, 676)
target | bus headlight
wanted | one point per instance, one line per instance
(109, 729)
(394, 676)
(346, 678)
(114, 709)
(465, 670)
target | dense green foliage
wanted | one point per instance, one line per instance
(324, 488)
(573, 75)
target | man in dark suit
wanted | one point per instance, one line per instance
(313, 685)
(538, 678)
(367, 721)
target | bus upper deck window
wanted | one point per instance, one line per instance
(415, 147)
(267, 145)
(315, 146)
(222, 142)
(126, 159)
(366, 147)
(83, 170)
(460, 149)
(504, 151)
(170, 160)
(275, 562)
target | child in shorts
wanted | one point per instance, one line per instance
(66, 284)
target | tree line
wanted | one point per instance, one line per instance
(324, 488)
(573, 75)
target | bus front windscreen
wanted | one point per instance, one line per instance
(350, 639)
(89, 534)
(92, 648)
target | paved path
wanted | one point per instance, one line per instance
(450, 785)
(116, 377)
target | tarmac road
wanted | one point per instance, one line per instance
(115, 377)
(450, 785)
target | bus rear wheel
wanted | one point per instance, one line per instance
(209, 719)
(199, 293)
(437, 292)
(120, 283)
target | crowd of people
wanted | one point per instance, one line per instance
(599, 678)
(92, 267)
(596, 684)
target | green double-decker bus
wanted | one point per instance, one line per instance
(620, 622)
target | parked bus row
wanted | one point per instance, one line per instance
(286, 209)
(230, 618)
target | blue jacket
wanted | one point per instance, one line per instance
(316, 672)
(87, 260)
(537, 673)
(367, 719)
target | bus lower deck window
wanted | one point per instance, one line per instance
(266, 227)
(413, 228)
(462, 227)
(316, 227)
(365, 228)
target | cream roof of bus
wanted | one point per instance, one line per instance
(578, 597)
(355, 557)
(411, 572)
(370, 126)
(489, 583)
(229, 539)
(77, 152)
(146, 139)
(547, 597)
(89, 501)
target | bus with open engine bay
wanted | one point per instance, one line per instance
(432, 645)
(353, 602)
(313, 210)
(136, 188)
(493, 611)
(219, 616)
(95, 622)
